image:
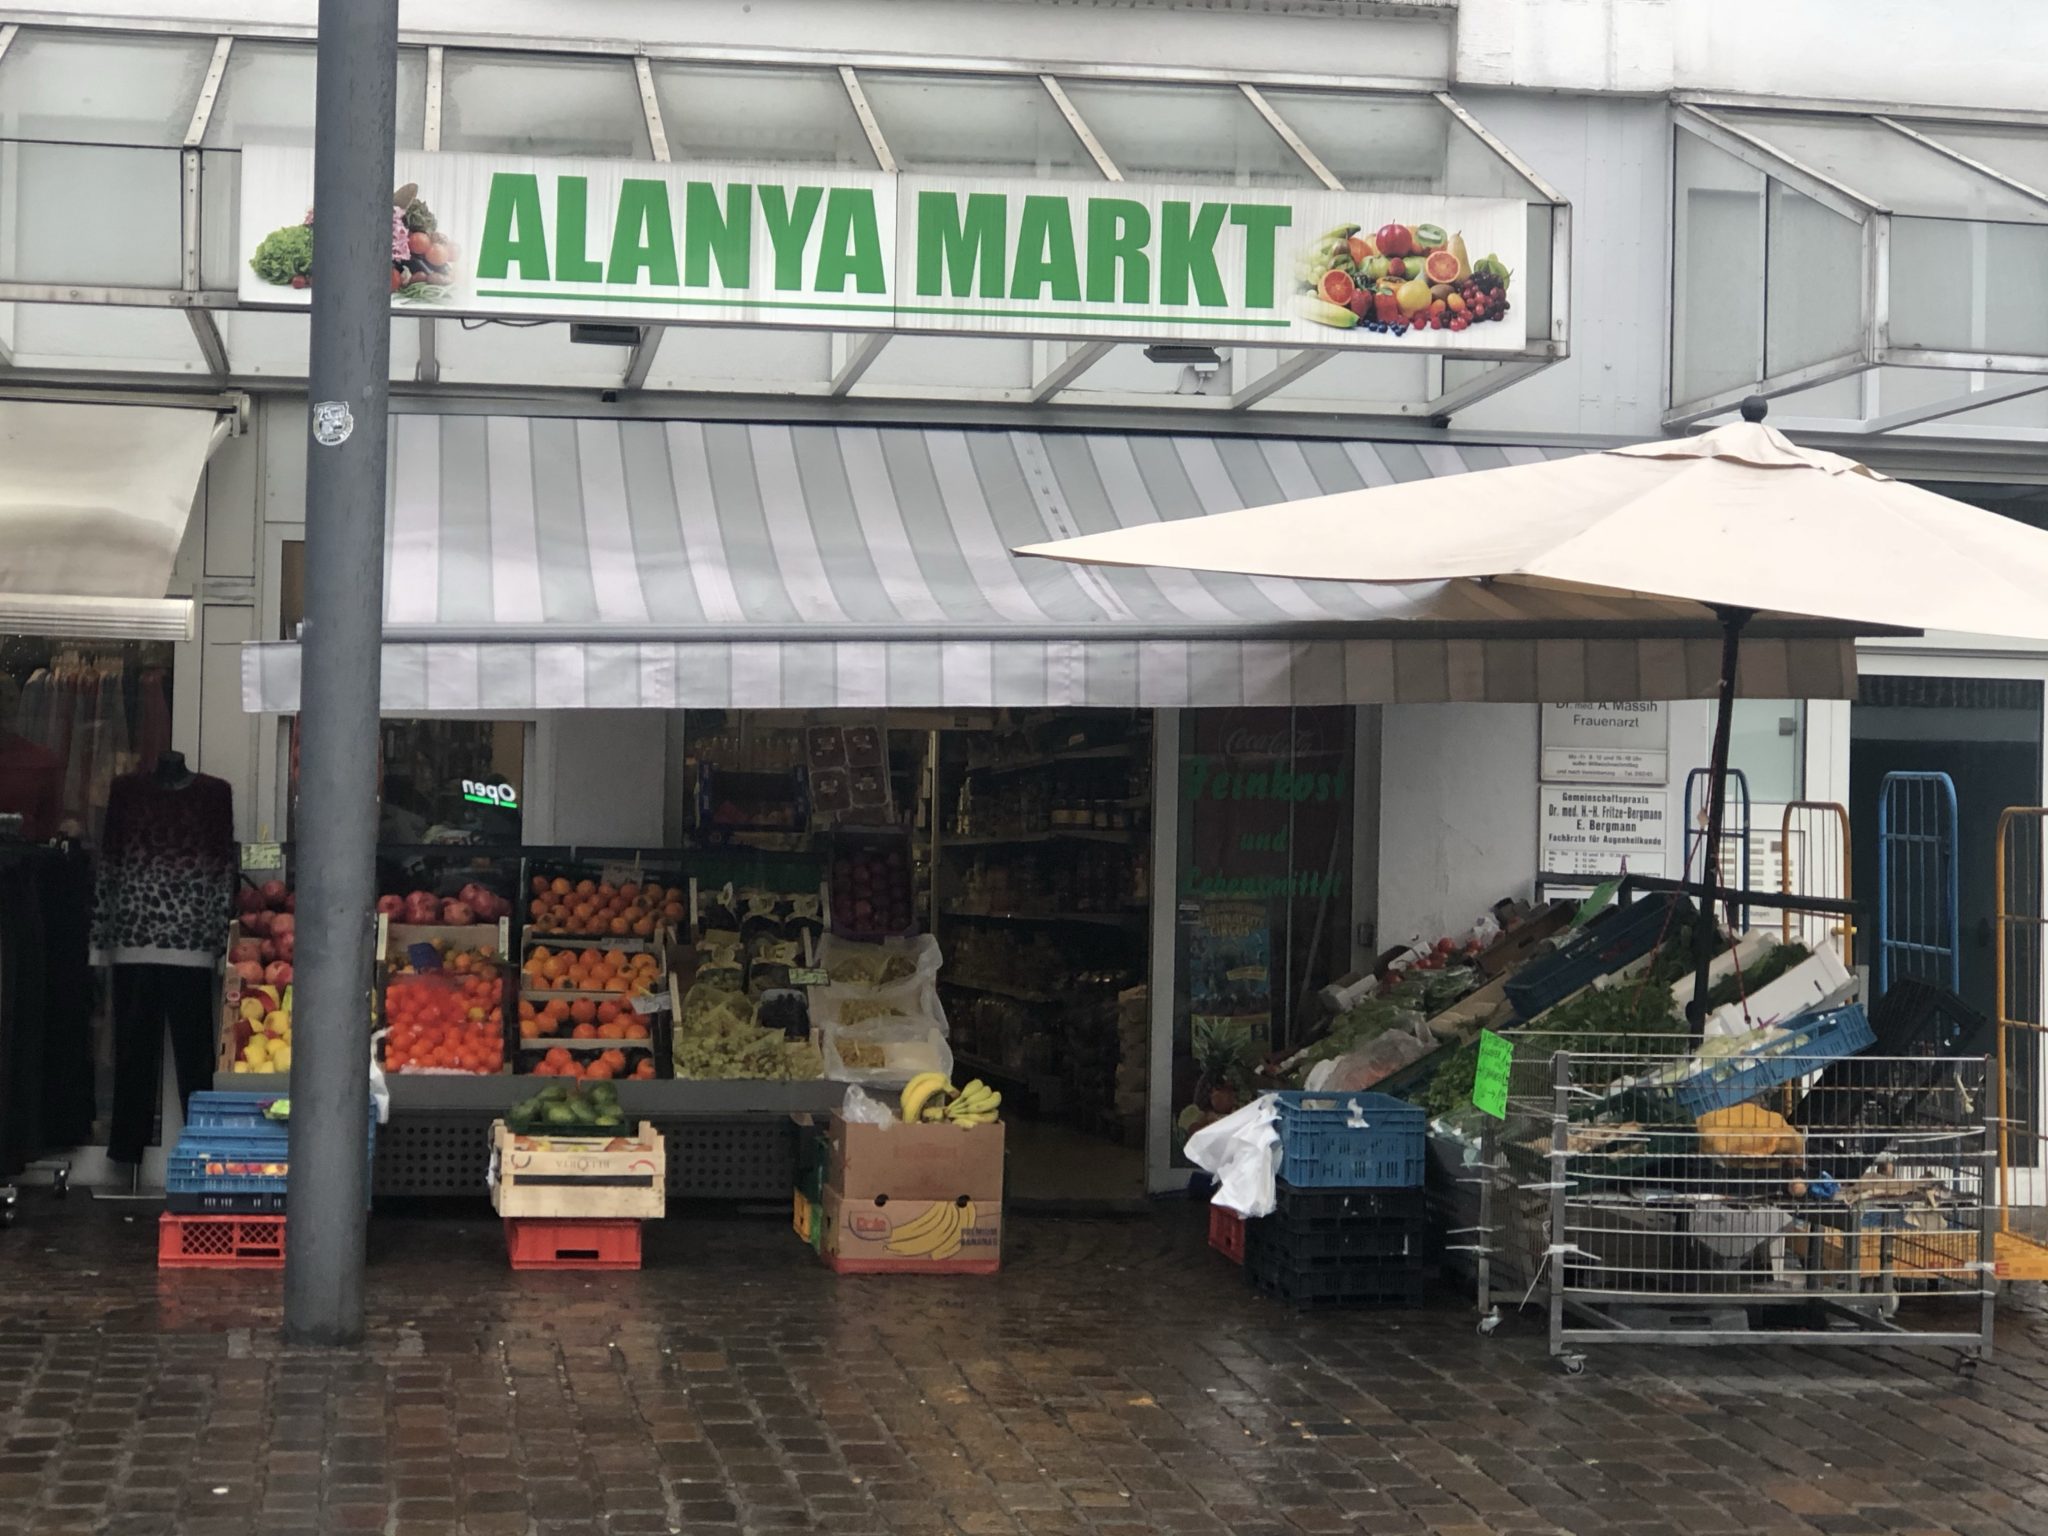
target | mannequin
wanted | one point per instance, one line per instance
(165, 896)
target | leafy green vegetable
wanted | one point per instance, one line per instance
(420, 217)
(284, 254)
(427, 292)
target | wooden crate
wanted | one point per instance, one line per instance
(579, 1176)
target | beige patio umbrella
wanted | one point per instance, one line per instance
(1738, 521)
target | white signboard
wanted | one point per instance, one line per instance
(1591, 831)
(622, 240)
(1606, 743)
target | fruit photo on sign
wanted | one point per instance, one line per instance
(1397, 279)
(422, 256)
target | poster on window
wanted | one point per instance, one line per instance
(1620, 742)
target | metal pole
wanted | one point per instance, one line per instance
(337, 821)
(1732, 620)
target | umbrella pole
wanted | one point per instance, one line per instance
(1732, 622)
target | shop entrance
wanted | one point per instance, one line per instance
(1985, 734)
(1025, 843)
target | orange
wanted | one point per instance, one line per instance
(583, 1032)
(583, 1011)
(586, 887)
(560, 887)
(637, 1031)
(606, 1012)
(629, 892)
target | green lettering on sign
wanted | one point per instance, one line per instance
(711, 234)
(572, 238)
(1261, 223)
(1045, 252)
(1187, 253)
(850, 249)
(644, 239)
(1117, 231)
(513, 235)
(1490, 1080)
(951, 246)
(789, 226)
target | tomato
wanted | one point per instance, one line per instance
(419, 242)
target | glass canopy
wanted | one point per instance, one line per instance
(155, 123)
(1858, 264)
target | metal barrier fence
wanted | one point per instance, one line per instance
(1820, 1211)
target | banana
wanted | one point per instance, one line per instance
(965, 1211)
(918, 1228)
(933, 1111)
(919, 1241)
(920, 1089)
(986, 1117)
(972, 1103)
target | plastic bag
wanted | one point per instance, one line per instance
(380, 1091)
(888, 1050)
(1243, 1151)
(863, 1108)
(853, 963)
(1378, 1058)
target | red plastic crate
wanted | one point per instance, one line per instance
(219, 1242)
(539, 1243)
(1226, 1233)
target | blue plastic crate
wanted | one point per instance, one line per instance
(186, 1170)
(211, 1110)
(1802, 1044)
(1612, 940)
(1320, 1147)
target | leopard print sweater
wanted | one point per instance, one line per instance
(166, 887)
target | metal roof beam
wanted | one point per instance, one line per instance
(859, 356)
(642, 356)
(1060, 375)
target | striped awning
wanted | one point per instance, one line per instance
(560, 563)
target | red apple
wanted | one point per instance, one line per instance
(244, 949)
(266, 950)
(392, 906)
(282, 922)
(278, 973)
(249, 970)
(286, 945)
(257, 923)
(274, 894)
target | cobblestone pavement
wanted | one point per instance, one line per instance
(1117, 1379)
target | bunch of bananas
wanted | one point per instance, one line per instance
(931, 1097)
(935, 1232)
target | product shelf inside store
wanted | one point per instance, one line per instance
(997, 988)
(1047, 759)
(1050, 835)
(1098, 919)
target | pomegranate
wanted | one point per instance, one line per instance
(250, 971)
(278, 973)
(245, 949)
(266, 950)
(457, 913)
(286, 945)
(257, 923)
(249, 899)
(391, 906)
(274, 893)
(282, 922)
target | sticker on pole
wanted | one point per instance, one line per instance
(333, 421)
(1490, 1080)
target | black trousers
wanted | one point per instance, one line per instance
(147, 998)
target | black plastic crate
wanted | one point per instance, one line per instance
(1609, 942)
(1398, 1284)
(1319, 1210)
(193, 1202)
(1377, 1243)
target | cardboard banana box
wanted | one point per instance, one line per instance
(876, 1234)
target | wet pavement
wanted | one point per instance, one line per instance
(1116, 1379)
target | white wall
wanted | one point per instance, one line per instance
(1459, 809)
(1974, 53)
(1611, 158)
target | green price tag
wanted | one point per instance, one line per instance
(260, 856)
(800, 976)
(1490, 1082)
